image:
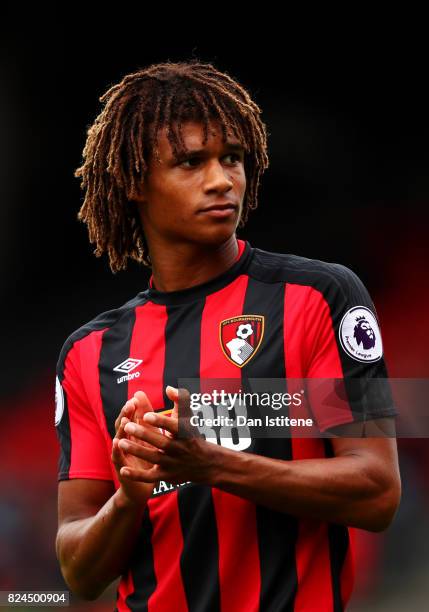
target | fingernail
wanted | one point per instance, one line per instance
(124, 444)
(150, 417)
(170, 387)
(130, 428)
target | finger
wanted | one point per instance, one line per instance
(152, 475)
(118, 458)
(182, 412)
(135, 419)
(127, 411)
(143, 404)
(173, 395)
(121, 433)
(169, 423)
(153, 455)
(150, 435)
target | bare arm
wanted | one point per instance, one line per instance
(358, 487)
(98, 526)
(94, 549)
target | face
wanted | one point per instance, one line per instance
(176, 194)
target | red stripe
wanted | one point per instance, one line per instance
(89, 446)
(323, 362)
(148, 344)
(239, 574)
(312, 550)
(167, 543)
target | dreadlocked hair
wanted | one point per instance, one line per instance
(124, 136)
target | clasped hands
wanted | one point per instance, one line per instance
(163, 456)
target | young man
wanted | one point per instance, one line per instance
(171, 168)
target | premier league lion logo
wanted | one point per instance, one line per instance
(364, 334)
(360, 336)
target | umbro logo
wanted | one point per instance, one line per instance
(127, 366)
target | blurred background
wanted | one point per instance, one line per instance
(347, 116)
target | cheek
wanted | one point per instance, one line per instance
(240, 180)
(240, 175)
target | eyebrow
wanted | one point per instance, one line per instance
(231, 146)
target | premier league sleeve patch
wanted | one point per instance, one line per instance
(360, 335)
(59, 402)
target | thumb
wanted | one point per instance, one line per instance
(173, 395)
(181, 397)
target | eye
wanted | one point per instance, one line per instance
(191, 161)
(235, 157)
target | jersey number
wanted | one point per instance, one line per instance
(225, 437)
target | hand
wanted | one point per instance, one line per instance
(167, 457)
(132, 412)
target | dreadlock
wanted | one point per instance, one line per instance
(124, 136)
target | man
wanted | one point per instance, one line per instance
(172, 167)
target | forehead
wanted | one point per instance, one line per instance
(193, 136)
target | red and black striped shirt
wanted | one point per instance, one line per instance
(202, 549)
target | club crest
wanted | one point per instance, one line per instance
(240, 337)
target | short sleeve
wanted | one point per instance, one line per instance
(345, 352)
(83, 448)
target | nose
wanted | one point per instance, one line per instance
(217, 178)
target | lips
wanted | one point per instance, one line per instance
(224, 206)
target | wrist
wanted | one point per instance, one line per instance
(123, 502)
(219, 461)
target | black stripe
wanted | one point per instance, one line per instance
(142, 568)
(199, 561)
(339, 541)
(182, 344)
(277, 532)
(115, 349)
(200, 556)
(338, 536)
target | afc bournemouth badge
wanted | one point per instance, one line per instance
(240, 337)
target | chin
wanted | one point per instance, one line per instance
(216, 235)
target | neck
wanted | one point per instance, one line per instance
(185, 265)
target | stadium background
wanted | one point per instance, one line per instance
(348, 182)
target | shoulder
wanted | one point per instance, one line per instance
(326, 277)
(103, 321)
